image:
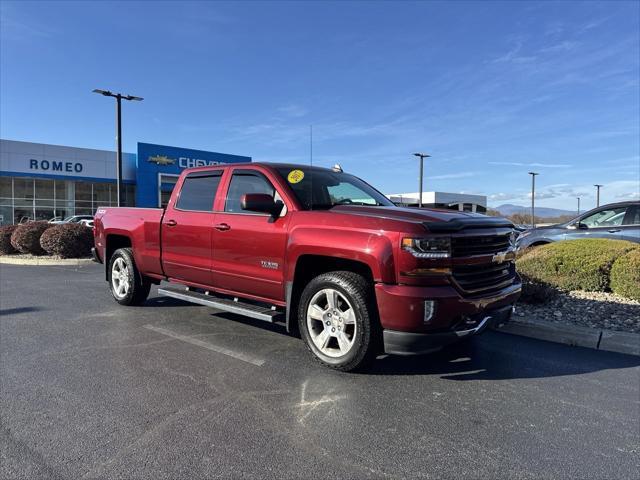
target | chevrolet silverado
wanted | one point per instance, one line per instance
(320, 251)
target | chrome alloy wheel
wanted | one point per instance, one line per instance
(331, 322)
(120, 278)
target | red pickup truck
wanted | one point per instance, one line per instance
(320, 251)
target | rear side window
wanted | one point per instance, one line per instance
(198, 191)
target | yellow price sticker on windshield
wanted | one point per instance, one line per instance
(295, 176)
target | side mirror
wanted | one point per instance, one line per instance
(261, 202)
(578, 226)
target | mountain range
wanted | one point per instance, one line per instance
(509, 209)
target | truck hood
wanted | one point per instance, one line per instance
(433, 219)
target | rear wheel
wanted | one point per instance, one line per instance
(338, 320)
(127, 285)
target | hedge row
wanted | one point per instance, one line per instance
(26, 237)
(582, 265)
(625, 275)
(67, 240)
(5, 239)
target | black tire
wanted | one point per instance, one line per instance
(367, 337)
(138, 286)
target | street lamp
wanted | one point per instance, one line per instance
(578, 205)
(118, 97)
(598, 194)
(533, 198)
(422, 156)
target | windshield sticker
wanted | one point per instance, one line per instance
(295, 176)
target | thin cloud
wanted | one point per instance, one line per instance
(293, 110)
(513, 56)
(453, 175)
(535, 164)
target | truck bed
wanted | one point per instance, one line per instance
(142, 225)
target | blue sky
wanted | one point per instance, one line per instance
(490, 89)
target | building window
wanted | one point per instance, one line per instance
(25, 199)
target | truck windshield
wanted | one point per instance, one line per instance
(319, 189)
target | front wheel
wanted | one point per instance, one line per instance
(127, 286)
(338, 320)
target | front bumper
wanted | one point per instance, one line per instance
(401, 307)
(410, 343)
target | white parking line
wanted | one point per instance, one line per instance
(209, 346)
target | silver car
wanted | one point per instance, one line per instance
(618, 221)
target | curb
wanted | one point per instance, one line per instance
(575, 335)
(7, 260)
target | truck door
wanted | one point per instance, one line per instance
(187, 228)
(249, 248)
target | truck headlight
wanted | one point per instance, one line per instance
(512, 239)
(428, 247)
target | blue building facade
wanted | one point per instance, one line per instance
(41, 181)
(158, 168)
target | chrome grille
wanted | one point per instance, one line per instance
(466, 246)
(484, 278)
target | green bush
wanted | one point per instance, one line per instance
(26, 237)
(68, 240)
(574, 264)
(625, 275)
(535, 292)
(5, 239)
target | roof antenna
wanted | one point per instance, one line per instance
(311, 145)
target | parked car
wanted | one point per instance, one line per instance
(73, 219)
(618, 221)
(321, 252)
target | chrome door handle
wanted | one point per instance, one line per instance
(222, 227)
(613, 230)
(171, 223)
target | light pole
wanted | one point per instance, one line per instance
(597, 185)
(533, 198)
(578, 205)
(118, 97)
(422, 156)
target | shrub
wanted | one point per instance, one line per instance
(625, 275)
(5, 239)
(26, 237)
(68, 240)
(535, 292)
(574, 264)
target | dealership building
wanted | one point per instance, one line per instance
(40, 181)
(463, 202)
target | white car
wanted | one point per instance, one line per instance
(74, 219)
(86, 223)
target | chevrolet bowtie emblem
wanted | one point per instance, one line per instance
(161, 160)
(502, 257)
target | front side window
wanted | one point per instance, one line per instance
(320, 189)
(199, 191)
(247, 181)
(610, 217)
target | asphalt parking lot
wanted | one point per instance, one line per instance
(91, 389)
